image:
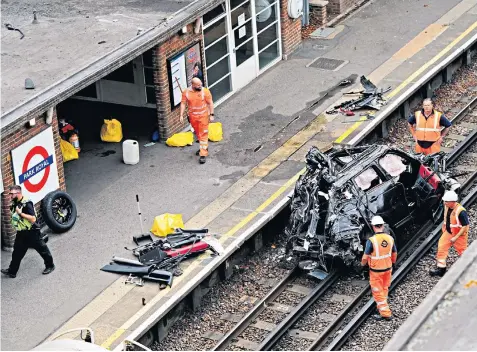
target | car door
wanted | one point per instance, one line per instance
(382, 197)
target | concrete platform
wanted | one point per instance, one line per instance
(236, 190)
(445, 320)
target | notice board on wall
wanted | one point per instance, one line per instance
(182, 68)
(178, 79)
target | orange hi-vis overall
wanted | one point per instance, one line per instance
(445, 243)
(428, 130)
(380, 269)
(199, 115)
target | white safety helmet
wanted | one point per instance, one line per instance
(377, 220)
(450, 196)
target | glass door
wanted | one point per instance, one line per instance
(244, 50)
(217, 52)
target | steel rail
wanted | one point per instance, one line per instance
(256, 311)
(318, 292)
(401, 273)
(469, 139)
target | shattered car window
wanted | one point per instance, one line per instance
(393, 164)
(367, 179)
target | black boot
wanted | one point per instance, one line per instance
(437, 271)
(197, 152)
(380, 317)
(7, 272)
(48, 270)
(202, 160)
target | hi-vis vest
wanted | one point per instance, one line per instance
(19, 223)
(380, 258)
(428, 129)
(196, 103)
(455, 224)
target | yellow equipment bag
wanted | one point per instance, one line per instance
(68, 151)
(180, 139)
(215, 131)
(165, 224)
(111, 131)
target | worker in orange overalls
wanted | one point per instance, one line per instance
(380, 254)
(201, 111)
(425, 126)
(455, 230)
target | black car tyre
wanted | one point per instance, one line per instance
(59, 211)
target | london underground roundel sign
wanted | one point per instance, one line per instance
(34, 166)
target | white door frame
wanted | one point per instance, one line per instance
(248, 70)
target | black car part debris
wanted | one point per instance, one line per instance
(120, 260)
(160, 276)
(11, 28)
(59, 211)
(344, 188)
(159, 260)
(370, 97)
(152, 257)
(142, 237)
(127, 269)
(146, 272)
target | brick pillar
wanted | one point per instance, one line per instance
(168, 117)
(291, 30)
(12, 138)
(337, 7)
(318, 14)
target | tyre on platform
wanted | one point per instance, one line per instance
(59, 211)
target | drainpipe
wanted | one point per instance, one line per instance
(305, 19)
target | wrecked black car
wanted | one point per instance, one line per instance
(343, 189)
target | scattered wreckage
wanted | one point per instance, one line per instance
(341, 190)
(158, 260)
(370, 97)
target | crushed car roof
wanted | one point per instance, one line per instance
(361, 162)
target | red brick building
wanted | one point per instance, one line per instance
(139, 58)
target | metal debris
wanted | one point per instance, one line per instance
(370, 97)
(134, 280)
(11, 28)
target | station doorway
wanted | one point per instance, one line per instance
(127, 95)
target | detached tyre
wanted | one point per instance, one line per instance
(59, 211)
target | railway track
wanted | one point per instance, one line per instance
(354, 309)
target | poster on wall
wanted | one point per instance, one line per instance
(34, 166)
(193, 64)
(182, 68)
(178, 77)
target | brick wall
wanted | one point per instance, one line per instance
(10, 141)
(318, 15)
(337, 7)
(168, 118)
(291, 30)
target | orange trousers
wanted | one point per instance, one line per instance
(445, 244)
(201, 128)
(380, 283)
(435, 148)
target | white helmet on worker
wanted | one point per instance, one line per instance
(450, 196)
(377, 220)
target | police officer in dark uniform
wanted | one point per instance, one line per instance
(28, 233)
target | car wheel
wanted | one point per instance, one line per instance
(59, 211)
